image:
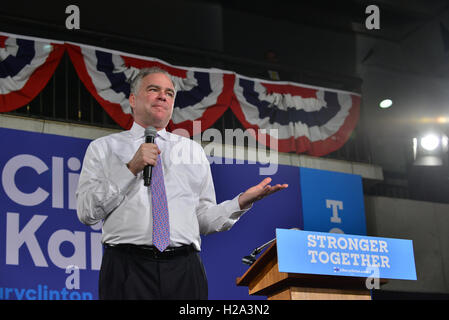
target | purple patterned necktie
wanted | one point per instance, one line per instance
(161, 228)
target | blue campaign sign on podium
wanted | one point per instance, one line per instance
(332, 202)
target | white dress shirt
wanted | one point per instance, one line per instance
(108, 191)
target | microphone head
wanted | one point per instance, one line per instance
(150, 131)
(249, 260)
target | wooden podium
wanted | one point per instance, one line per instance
(264, 278)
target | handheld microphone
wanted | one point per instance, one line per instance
(150, 135)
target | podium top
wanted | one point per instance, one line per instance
(264, 277)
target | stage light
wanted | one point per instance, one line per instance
(430, 142)
(386, 103)
(430, 150)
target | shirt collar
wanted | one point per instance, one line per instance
(138, 132)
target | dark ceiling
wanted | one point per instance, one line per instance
(399, 17)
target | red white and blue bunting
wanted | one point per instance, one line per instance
(26, 66)
(315, 120)
(307, 119)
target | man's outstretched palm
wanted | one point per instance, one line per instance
(259, 192)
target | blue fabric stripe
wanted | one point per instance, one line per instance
(197, 93)
(117, 79)
(12, 65)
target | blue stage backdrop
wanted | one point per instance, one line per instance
(332, 201)
(48, 254)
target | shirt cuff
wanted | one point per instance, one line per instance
(233, 208)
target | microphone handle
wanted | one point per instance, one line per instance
(148, 170)
(258, 250)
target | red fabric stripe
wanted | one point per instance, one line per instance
(2, 41)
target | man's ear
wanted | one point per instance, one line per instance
(132, 101)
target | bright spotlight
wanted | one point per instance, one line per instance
(430, 142)
(385, 103)
(431, 150)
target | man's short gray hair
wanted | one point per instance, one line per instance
(135, 83)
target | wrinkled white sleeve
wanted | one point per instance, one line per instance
(102, 185)
(213, 217)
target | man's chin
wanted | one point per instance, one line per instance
(156, 123)
(160, 123)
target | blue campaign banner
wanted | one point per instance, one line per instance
(46, 253)
(332, 201)
(344, 255)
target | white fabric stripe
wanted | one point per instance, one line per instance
(10, 49)
(284, 101)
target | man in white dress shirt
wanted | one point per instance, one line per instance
(111, 189)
